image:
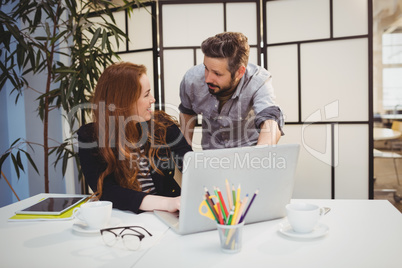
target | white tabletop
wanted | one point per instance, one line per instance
(56, 244)
(392, 116)
(385, 134)
(362, 233)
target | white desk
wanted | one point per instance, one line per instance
(55, 244)
(385, 134)
(391, 116)
(362, 233)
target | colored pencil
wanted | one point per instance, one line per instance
(219, 214)
(248, 207)
(237, 207)
(209, 196)
(241, 209)
(222, 202)
(238, 193)
(229, 220)
(229, 195)
(234, 195)
(211, 205)
(211, 208)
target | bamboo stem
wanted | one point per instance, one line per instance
(4, 176)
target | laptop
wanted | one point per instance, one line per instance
(268, 169)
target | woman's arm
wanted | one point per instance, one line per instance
(92, 166)
(156, 202)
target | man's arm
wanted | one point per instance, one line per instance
(269, 133)
(187, 124)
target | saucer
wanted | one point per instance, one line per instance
(320, 230)
(82, 227)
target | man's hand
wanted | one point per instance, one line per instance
(269, 133)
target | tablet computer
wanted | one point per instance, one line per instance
(52, 205)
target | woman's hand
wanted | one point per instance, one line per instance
(156, 202)
(173, 204)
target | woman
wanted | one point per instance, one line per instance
(128, 154)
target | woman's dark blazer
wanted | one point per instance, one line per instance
(92, 165)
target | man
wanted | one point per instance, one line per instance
(235, 99)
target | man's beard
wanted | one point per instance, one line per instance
(222, 91)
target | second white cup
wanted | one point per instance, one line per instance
(95, 214)
(304, 217)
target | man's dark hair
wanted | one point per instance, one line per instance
(231, 45)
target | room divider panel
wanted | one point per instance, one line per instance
(183, 25)
(320, 55)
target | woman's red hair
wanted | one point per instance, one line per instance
(116, 94)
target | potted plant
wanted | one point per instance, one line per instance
(34, 35)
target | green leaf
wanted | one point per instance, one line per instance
(38, 16)
(104, 39)
(17, 98)
(95, 38)
(41, 38)
(47, 29)
(52, 150)
(3, 158)
(17, 140)
(2, 83)
(20, 55)
(57, 37)
(15, 31)
(17, 170)
(65, 162)
(64, 70)
(41, 109)
(31, 162)
(5, 39)
(71, 87)
(19, 162)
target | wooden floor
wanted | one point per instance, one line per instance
(385, 180)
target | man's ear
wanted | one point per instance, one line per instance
(240, 72)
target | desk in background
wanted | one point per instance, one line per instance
(385, 134)
(362, 233)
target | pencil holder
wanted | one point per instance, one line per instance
(230, 237)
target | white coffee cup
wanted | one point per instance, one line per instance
(95, 214)
(304, 217)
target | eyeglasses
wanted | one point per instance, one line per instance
(131, 237)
